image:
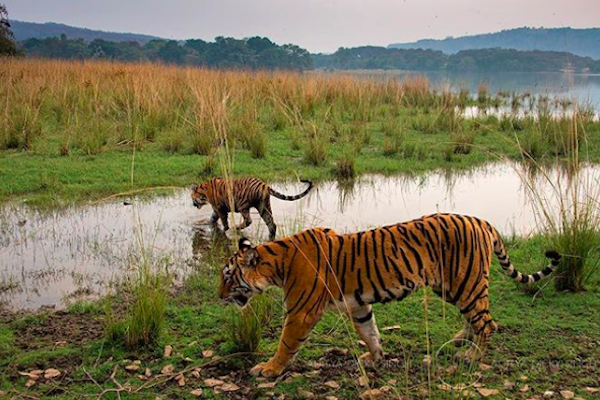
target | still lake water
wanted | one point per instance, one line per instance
(584, 88)
(51, 258)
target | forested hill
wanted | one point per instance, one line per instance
(252, 53)
(582, 42)
(261, 53)
(467, 60)
(32, 30)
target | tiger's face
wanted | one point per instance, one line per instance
(241, 278)
(199, 195)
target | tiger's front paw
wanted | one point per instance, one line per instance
(267, 369)
(370, 361)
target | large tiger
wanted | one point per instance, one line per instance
(247, 193)
(319, 270)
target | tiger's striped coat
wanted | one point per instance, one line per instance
(240, 195)
(319, 270)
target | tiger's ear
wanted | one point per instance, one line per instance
(244, 244)
(194, 187)
(250, 254)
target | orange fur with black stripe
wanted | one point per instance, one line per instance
(241, 194)
(319, 270)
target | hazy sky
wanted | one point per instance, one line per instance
(318, 25)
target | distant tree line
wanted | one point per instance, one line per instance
(7, 42)
(495, 59)
(370, 57)
(261, 53)
(521, 61)
(254, 53)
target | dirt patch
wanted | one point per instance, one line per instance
(58, 329)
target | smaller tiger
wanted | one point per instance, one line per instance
(247, 193)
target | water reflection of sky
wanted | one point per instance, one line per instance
(47, 257)
(582, 87)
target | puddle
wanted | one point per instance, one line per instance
(48, 258)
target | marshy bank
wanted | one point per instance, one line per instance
(72, 131)
(198, 346)
(56, 258)
(135, 277)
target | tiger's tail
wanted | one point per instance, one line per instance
(511, 271)
(292, 198)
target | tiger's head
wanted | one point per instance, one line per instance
(199, 195)
(241, 277)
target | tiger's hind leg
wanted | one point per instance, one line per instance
(267, 215)
(364, 323)
(477, 313)
(464, 336)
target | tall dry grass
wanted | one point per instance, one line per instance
(95, 106)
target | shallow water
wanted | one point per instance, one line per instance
(52, 258)
(582, 88)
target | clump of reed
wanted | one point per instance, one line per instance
(483, 95)
(345, 167)
(394, 138)
(20, 128)
(316, 151)
(462, 141)
(464, 97)
(566, 206)
(146, 295)
(174, 141)
(532, 145)
(246, 326)
(416, 91)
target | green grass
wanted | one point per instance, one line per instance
(551, 339)
(44, 178)
(73, 132)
